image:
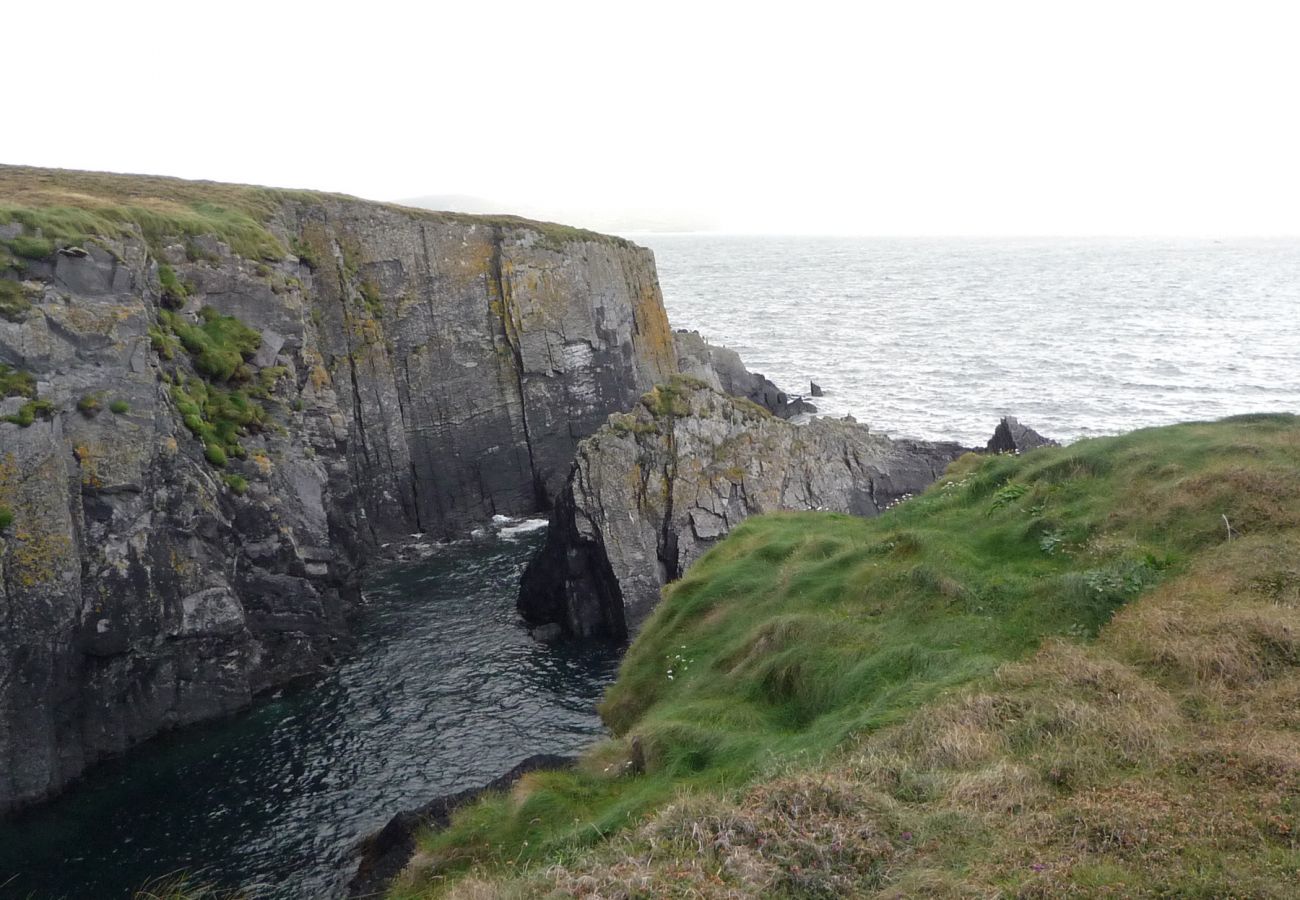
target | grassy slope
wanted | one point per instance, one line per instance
(917, 704)
(59, 207)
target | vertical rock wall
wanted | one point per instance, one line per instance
(417, 372)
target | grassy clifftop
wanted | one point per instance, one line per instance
(61, 207)
(1072, 671)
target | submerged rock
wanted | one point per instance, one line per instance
(655, 488)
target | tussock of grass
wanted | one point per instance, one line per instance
(218, 417)
(13, 301)
(219, 344)
(916, 705)
(16, 383)
(29, 412)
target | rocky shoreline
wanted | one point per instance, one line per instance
(655, 488)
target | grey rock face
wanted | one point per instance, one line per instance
(425, 372)
(1012, 437)
(723, 370)
(654, 489)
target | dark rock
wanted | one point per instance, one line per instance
(815, 389)
(438, 370)
(551, 631)
(386, 852)
(723, 370)
(1012, 437)
(705, 462)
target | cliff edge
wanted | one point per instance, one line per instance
(216, 400)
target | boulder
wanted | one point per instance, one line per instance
(1012, 437)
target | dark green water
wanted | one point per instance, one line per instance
(445, 690)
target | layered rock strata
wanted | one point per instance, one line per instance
(654, 489)
(181, 523)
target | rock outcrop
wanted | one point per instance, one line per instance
(199, 442)
(722, 369)
(1012, 437)
(655, 488)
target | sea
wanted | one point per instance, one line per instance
(940, 337)
(930, 338)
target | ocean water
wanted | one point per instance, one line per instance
(939, 338)
(445, 690)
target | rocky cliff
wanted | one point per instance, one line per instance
(655, 488)
(723, 370)
(216, 400)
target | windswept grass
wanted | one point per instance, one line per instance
(944, 700)
(185, 887)
(61, 207)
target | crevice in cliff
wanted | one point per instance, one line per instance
(357, 417)
(405, 388)
(669, 557)
(498, 289)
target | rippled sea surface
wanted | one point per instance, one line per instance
(938, 338)
(444, 691)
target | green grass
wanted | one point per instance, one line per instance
(219, 344)
(90, 405)
(119, 407)
(218, 417)
(173, 291)
(6, 517)
(13, 301)
(29, 412)
(16, 383)
(61, 207)
(805, 634)
(238, 484)
(29, 247)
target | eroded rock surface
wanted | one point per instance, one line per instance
(722, 369)
(655, 488)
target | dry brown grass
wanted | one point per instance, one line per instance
(1162, 760)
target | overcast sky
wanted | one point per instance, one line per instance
(869, 118)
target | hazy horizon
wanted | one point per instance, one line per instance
(941, 119)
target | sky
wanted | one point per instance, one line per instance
(897, 118)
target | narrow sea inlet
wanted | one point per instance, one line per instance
(444, 690)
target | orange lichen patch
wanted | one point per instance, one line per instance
(262, 461)
(86, 458)
(653, 333)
